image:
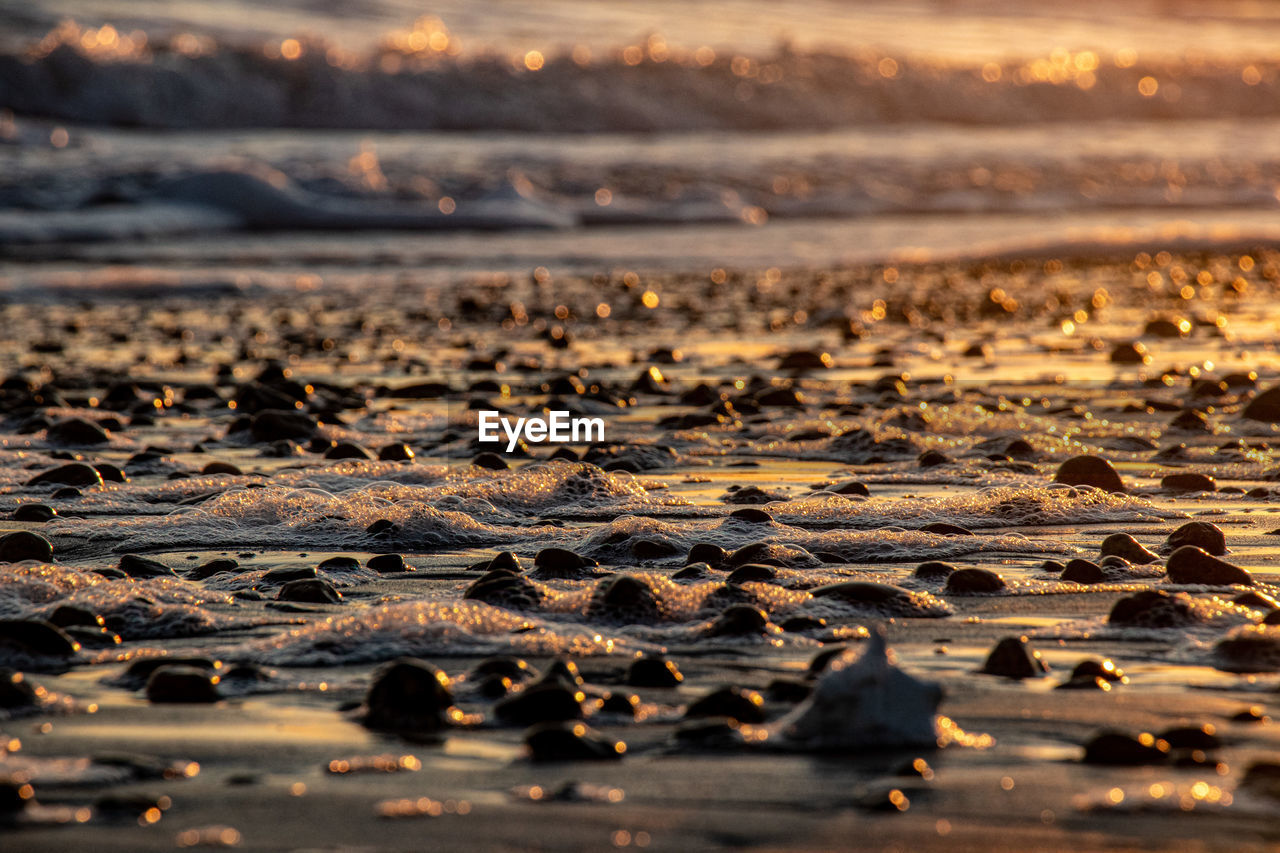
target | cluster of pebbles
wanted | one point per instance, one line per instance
(245, 396)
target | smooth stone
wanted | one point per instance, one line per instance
(1105, 669)
(1192, 565)
(558, 563)
(220, 469)
(1264, 407)
(653, 671)
(933, 570)
(71, 474)
(285, 574)
(1124, 545)
(752, 573)
(969, 581)
(111, 473)
(279, 424)
(16, 692)
(561, 741)
(213, 567)
(705, 552)
(1202, 534)
(77, 432)
(386, 563)
(1255, 599)
(751, 515)
(142, 567)
(1013, 657)
(68, 615)
(540, 703)
(508, 667)
(932, 459)
(397, 452)
(850, 487)
(800, 624)
(941, 528)
(36, 637)
(1083, 572)
(348, 450)
(1203, 737)
(861, 592)
(340, 564)
(174, 683)
(1111, 561)
(408, 695)
(1154, 608)
(1188, 482)
(38, 513)
(1089, 470)
(745, 706)
(139, 671)
(691, 572)
(1262, 777)
(563, 672)
(623, 704)
(309, 590)
(24, 545)
(740, 620)
(1249, 648)
(504, 589)
(626, 598)
(1117, 749)
(490, 461)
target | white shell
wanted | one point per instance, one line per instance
(861, 702)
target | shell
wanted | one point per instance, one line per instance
(863, 701)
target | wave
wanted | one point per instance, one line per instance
(196, 82)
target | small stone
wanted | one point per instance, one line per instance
(560, 741)
(279, 424)
(1202, 534)
(513, 668)
(1192, 565)
(386, 563)
(751, 515)
(1202, 737)
(932, 459)
(220, 469)
(704, 552)
(24, 545)
(745, 706)
(623, 704)
(560, 563)
(35, 638)
(849, 487)
(800, 624)
(211, 568)
(16, 692)
(1188, 482)
(941, 528)
(538, 704)
(348, 450)
(1154, 608)
(970, 581)
(1089, 471)
(1124, 545)
(1105, 669)
(752, 573)
(71, 474)
(142, 567)
(490, 461)
(182, 684)
(1265, 407)
(740, 620)
(653, 671)
(1083, 572)
(285, 574)
(505, 589)
(77, 432)
(1013, 657)
(624, 598)
(397, 452)
(1257, 600)
(1133, 352)
(1249, 648)
(1117, 749)
(37, 513)
(933, 570)
(310, 590)
(408, 695)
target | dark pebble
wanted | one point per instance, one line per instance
(182, 684)
(340, 564)
(16, 692)
(504, 589)
(1089, 471)
(1013, 657)
(653, 671)
(538, 704)
(941, 528)
(751, 515)
(71, 474)
(1202, 534)
(1192, 565)
(382, 527)
(740, 620)
(1116, 749)
(508, 667)
(142, 567)
(559, 563)
(933, 570)
(745, 706)
(1124, 545)
(311, 591)
(1154, 608)
(968, 581)
(799, 624)
(38, 513)
(285, 574)
(36, 638)
(615, 702)
(385, 563)
(490, 461)
(1202, 737)
(1083, 572)
(624, 598)
(77, 432)
(560, 741)
(348, 450)
(24, 545)
(408, 695)
(752, 572)
(213, 567)
(397, 452)
(704, 552)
